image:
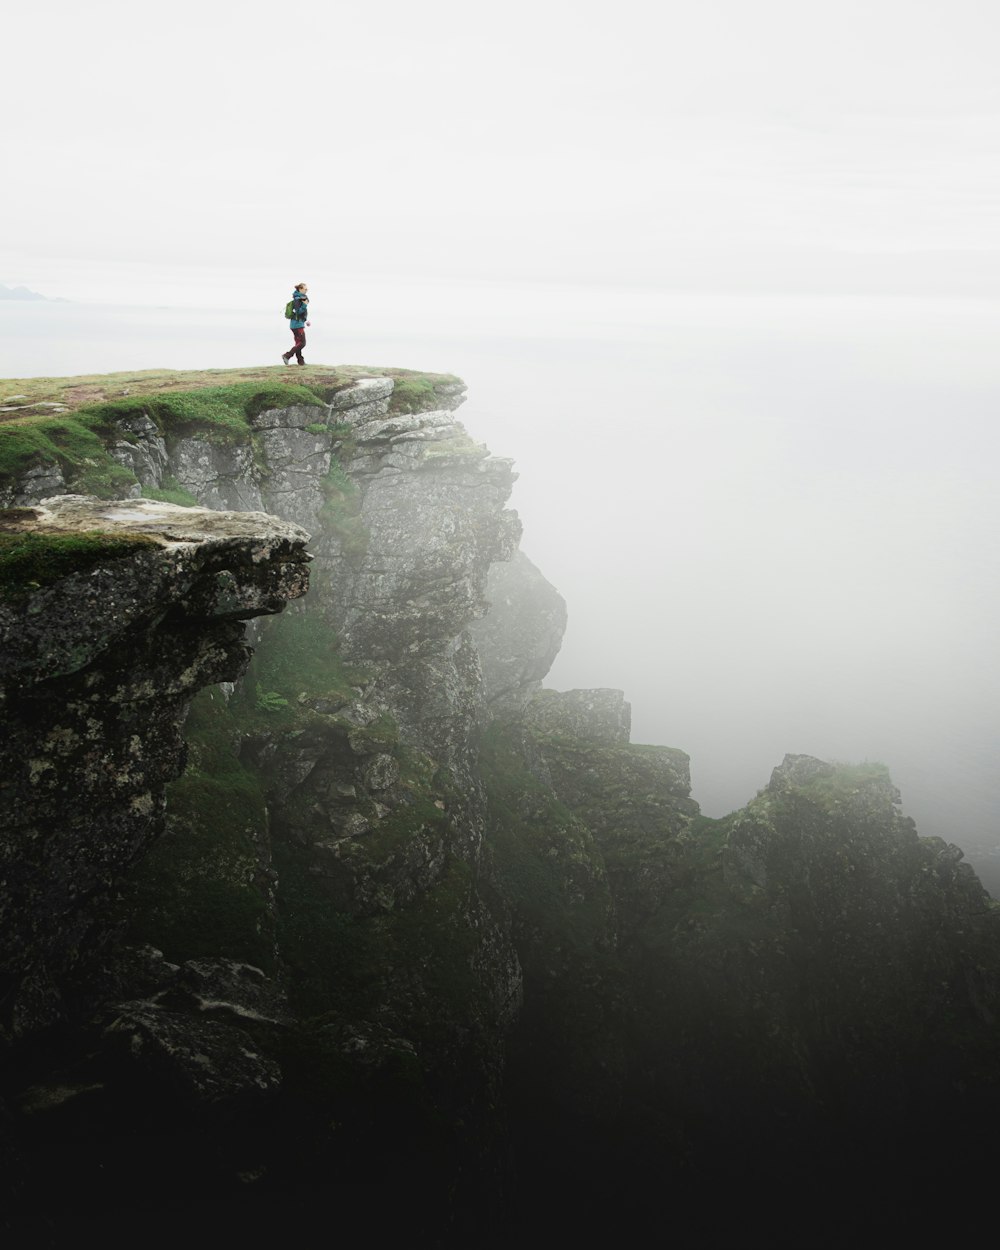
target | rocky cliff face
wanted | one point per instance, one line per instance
(412, 940)
(317, 880)
(98, 666)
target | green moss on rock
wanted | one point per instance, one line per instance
(171, 492)
(216, 405)
(298, 661)
(29, 560)
(203, 891)
(218, 413)
(341, 513)
(422, 392)
(551, 868)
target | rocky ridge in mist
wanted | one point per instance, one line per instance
(424, 948)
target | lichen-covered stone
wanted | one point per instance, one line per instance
(362, 393)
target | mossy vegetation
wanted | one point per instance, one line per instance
(418, 391)
(844, 782)
(341, 513)
(84, 391)
(417, 818)
(202, 891)
(421, 392)
(381, 734)
(32, 559)
(298, 658)
(216, 404)
(345, 963)
(635, 801)
(204, 888)
(552, 870)
(706, 839)
(68, 443)
(218, 413)
(171, 492)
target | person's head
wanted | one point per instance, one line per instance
(302, 286)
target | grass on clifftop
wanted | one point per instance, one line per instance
(44, 397)
(68, 421)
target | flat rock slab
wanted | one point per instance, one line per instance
(168, 522)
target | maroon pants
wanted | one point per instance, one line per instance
(300, 342)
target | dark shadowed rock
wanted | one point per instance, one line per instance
(98, 668)
(203, 1062)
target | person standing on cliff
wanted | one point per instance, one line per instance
(298, 323)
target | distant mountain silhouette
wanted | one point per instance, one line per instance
(22, 292)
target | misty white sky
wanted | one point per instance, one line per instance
(784, 143)
(773, 514)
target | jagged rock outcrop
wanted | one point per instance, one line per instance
(805, 989)
(634, 799)
(899, 929)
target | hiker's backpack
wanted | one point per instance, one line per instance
(290, 310)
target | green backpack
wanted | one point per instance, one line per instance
(290, 310)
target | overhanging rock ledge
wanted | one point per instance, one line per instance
(96, 670)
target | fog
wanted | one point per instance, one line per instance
(774, 518)
(775, 523)
(722, 278)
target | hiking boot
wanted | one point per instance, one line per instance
(284, 358)
(300, 362)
